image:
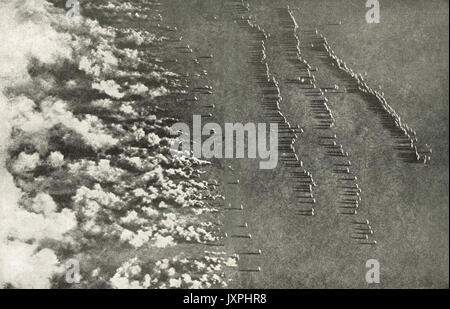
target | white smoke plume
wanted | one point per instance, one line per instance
(104, 199)
(26, 34)
(53, 112)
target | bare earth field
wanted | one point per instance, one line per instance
(406, 203)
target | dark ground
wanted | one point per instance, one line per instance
(407, 204)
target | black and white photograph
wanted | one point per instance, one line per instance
(224, 145)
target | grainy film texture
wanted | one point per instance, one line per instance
(208, 144)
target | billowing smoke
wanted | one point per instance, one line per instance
(78, 163)
(26, 35)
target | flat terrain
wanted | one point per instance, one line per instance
(406, 203)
